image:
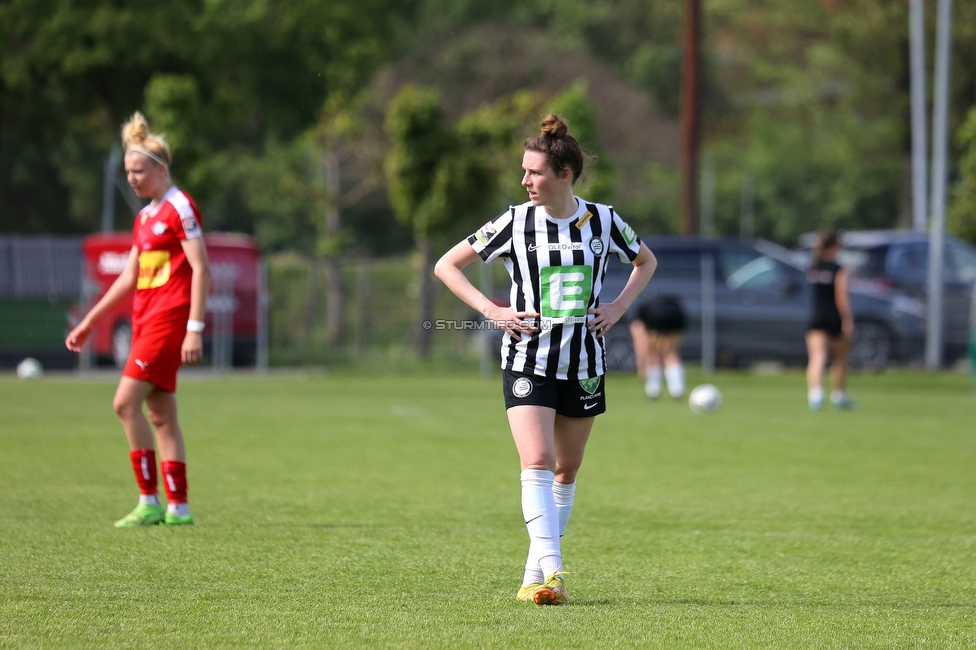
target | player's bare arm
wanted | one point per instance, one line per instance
(124, 285)
(196, 255)
(607, 314)
(450, 271)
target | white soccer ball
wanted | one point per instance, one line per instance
(705, 398)
(29, 368)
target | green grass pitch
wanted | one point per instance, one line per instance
(355, 510)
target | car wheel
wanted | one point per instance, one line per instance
(620, 349)
(870, 347)
(121, 343)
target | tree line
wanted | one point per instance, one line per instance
(287, 119)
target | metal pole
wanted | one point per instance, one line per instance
(108, 187)
(708, 311)
(940, 121)
(261, 354)
(709, 337)
(690, 65)
(918, 88)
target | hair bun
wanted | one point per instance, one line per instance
(136, 130)
(554, 126)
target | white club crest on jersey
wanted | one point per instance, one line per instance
(158, 228)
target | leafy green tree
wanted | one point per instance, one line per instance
(573, 105)
(962, 214)
(224, 79)
(415, 123)
(441, 176)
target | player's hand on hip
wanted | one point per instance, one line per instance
(604, 317)
(516, 323)
(192, 351)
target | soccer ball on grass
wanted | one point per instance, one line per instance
(29, 368)
(705, 398)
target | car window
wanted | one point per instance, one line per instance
(759, 273)
(961, 264)
(678, 265)
(909, 261)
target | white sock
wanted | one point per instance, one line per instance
(675, 376)
(149, 499)
(836, 396)
(815, 395)
(563, 494)
(652, 382)
(179, 509)
(541, 521)
(533, 572)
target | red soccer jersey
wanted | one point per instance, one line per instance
(164, 272)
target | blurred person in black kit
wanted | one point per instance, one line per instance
(657, 332)
(831, 324)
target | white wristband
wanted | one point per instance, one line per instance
(194, 325)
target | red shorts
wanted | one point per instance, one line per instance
(156, 352)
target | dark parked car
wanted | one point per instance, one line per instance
(762, 306)
(891, 262)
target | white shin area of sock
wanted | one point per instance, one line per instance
(541, 522)
(179, 509)
(149, 499)
(675, 376)
(563, 494)
(652, 382)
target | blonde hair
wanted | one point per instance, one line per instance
(136, 137)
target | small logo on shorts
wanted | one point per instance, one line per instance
(522, 387)
(590, 385)
(596, 246)
(142, 364)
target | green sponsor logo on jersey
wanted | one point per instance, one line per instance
(629, 235)
(565, 290)
(590, 385)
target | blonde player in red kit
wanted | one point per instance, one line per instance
(169, 272)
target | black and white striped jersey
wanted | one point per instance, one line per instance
(557, 268)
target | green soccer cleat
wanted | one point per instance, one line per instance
(526, 592)
(143, 515)
(552, 592)
(173, 519)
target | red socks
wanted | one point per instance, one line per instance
(144, 467)
(174, 480)
(174, 475)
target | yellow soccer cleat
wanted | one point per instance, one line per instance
(526, 592)
(552, 592)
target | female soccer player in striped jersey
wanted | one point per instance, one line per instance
(556, 248)
(169, 272)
